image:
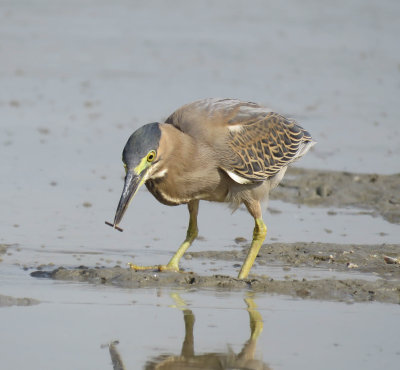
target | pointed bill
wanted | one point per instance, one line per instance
(131, 186)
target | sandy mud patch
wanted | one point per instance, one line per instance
(7, 301)
(381, 281)
(380, 194)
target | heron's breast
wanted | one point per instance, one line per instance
(159, 190)
(173, 192)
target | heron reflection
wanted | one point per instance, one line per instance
(188, 359)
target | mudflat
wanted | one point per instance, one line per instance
(358, 272)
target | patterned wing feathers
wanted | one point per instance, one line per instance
(263, 147)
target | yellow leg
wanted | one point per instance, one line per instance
(259, 233)
(191, 235)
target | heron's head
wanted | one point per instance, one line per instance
(141, 159)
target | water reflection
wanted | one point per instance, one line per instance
(187, 359)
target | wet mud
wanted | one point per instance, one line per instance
(378, 194)
(364, 272)
(381, 281)
(378, 260)
(7, 301)
(3, 250)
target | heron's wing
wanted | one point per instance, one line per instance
(263, 145)
(254, 143)
(206, 119)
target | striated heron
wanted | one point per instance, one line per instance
(220, 150)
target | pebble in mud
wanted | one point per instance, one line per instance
(323, 190)
(14, 103)
(240, 240)
(274, 211)
(391, 260)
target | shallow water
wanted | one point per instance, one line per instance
(78, 77)
(67, 330)
(91, 242)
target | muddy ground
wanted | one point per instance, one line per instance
(3, 249)
(7, 301)
(379, 264)
(376, 194)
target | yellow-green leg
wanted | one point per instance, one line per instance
(259, 233)
(191, 235)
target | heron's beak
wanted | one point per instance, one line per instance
(131, 186)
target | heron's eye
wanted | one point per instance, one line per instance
(126, 168)
(151, 156)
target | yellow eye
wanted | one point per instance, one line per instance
(151, 156)
(126, 168)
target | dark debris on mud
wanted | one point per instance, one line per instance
(3, 248)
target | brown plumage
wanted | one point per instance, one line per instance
(248, 142)
(221, 150)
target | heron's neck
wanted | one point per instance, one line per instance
(184, 156)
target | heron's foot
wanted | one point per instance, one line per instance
(168, 267)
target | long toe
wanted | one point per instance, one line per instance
(153, 268)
